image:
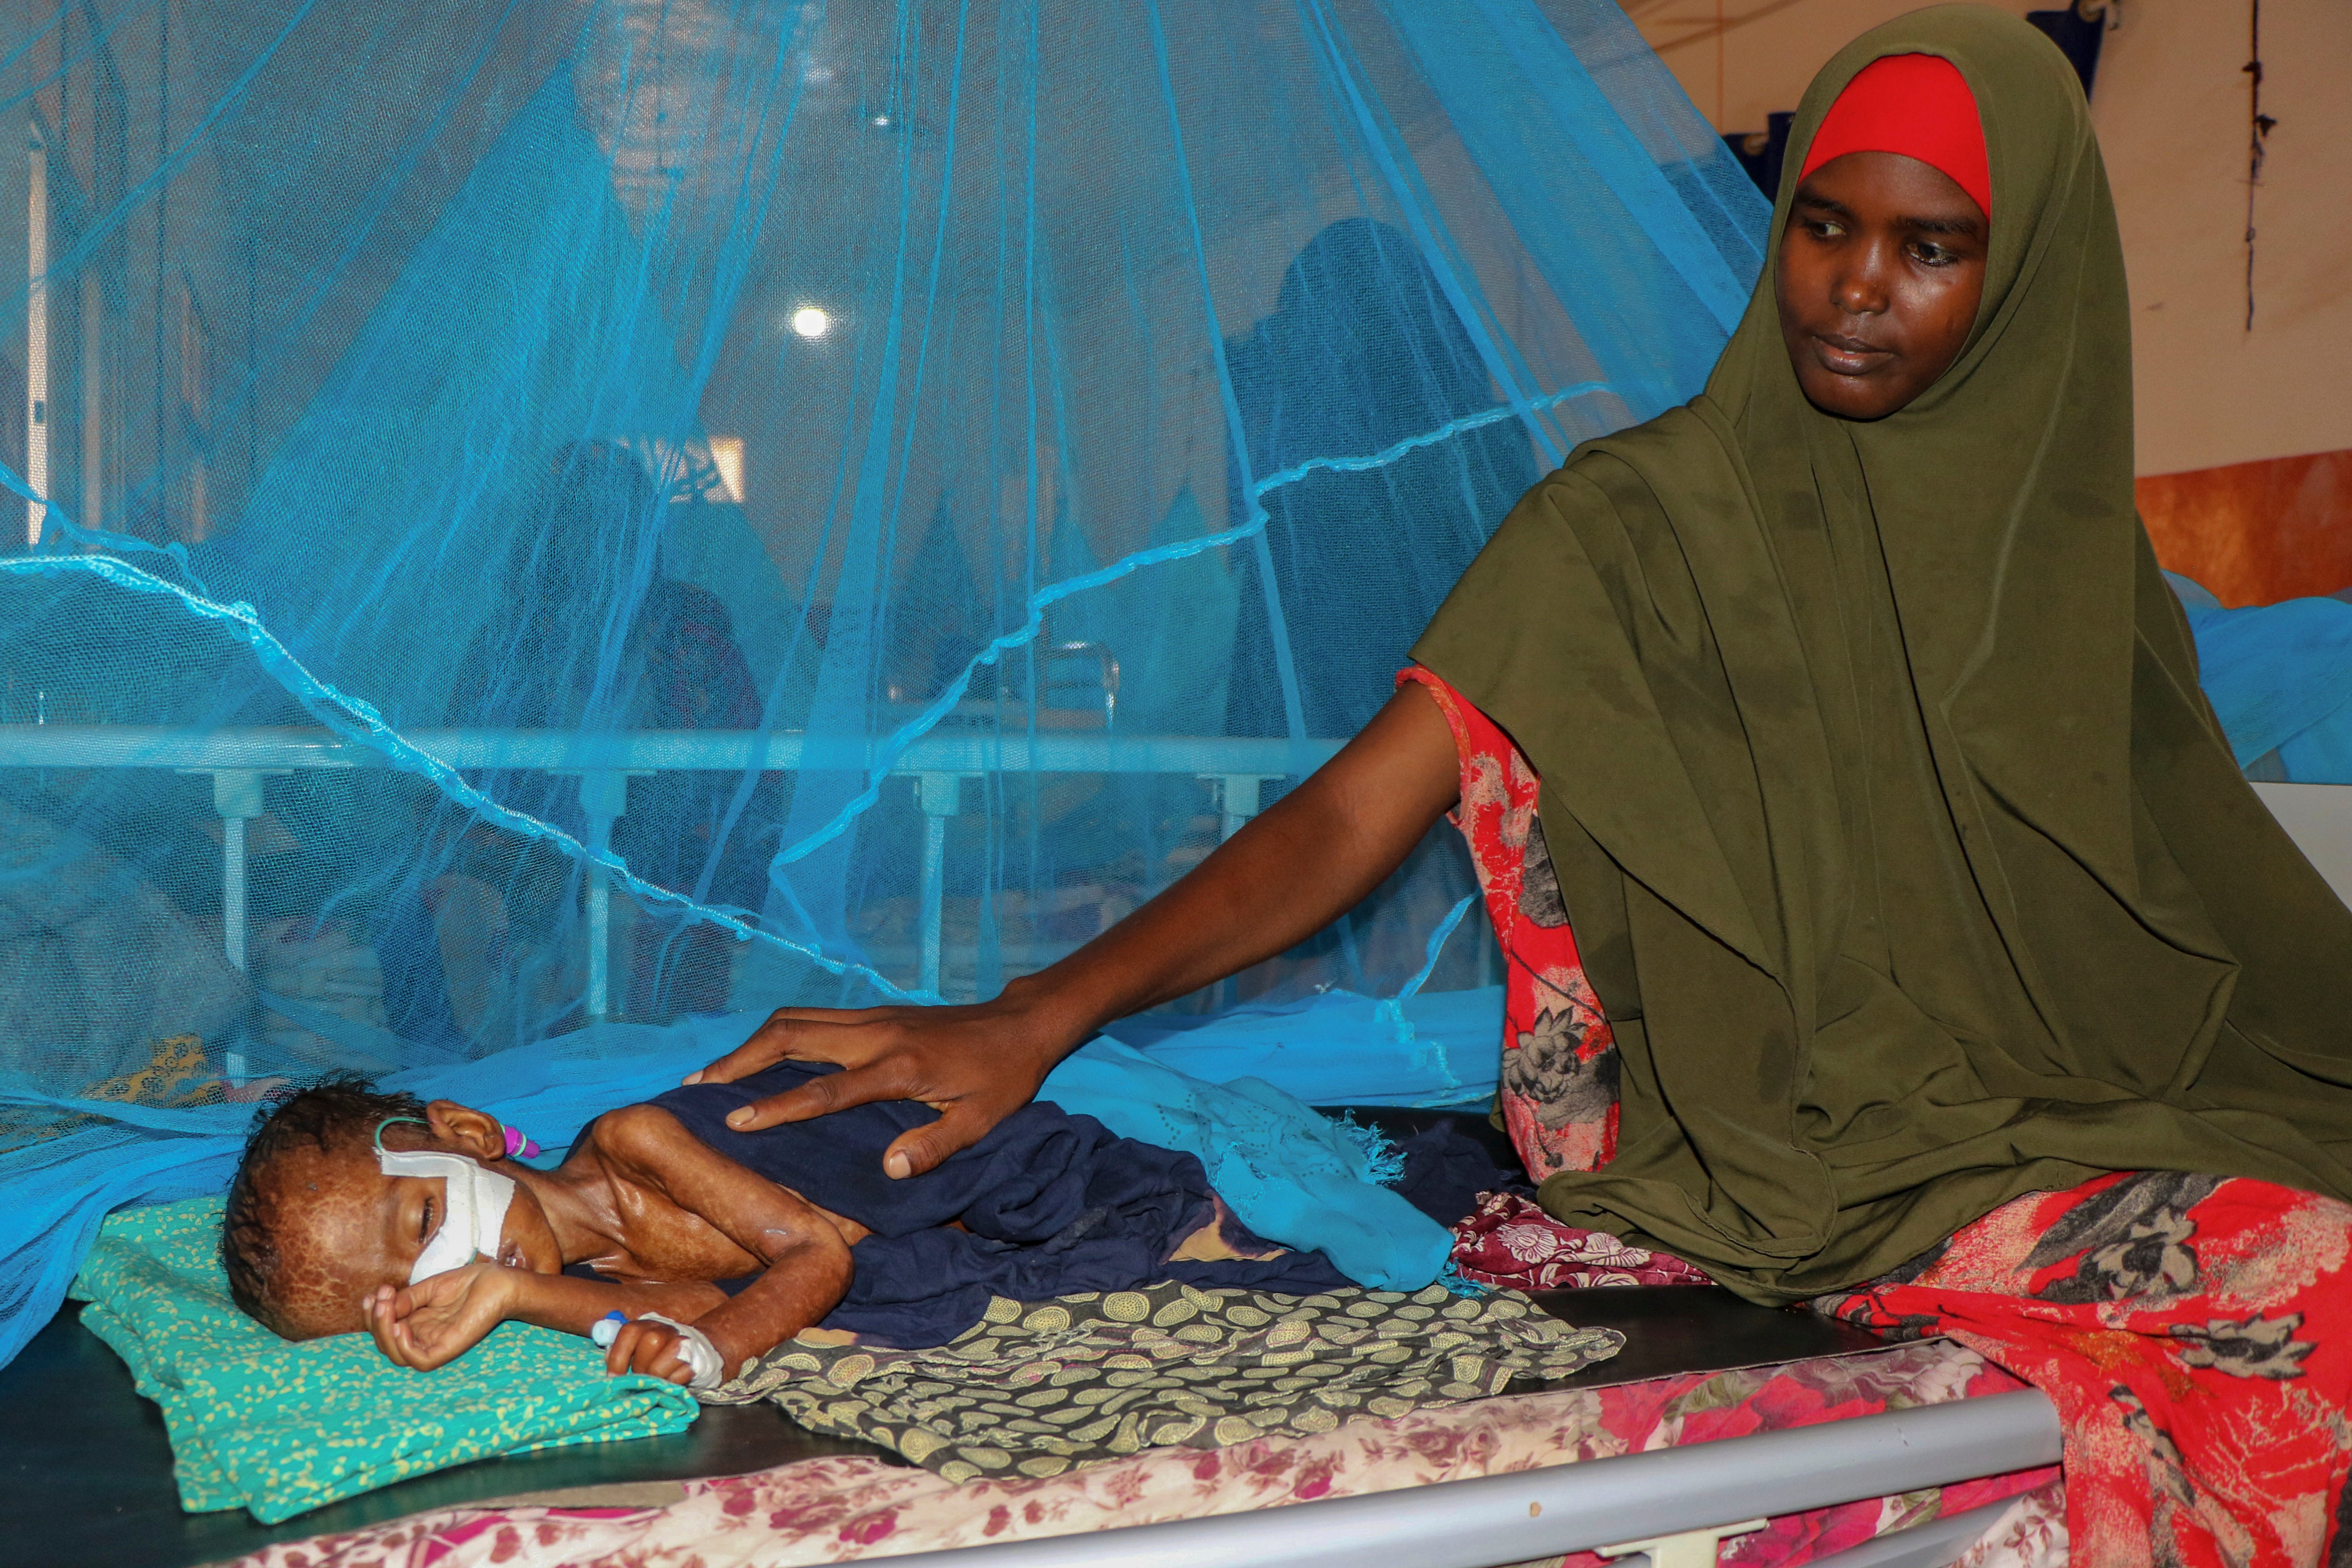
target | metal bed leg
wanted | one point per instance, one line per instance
(236, 796)
(605, 797)
(942, 796)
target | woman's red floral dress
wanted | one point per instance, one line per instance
(1560, 1059)
(2194, 1332)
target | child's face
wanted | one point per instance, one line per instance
(344, 1228)
(1880, 271)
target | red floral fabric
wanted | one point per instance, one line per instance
(1559, 1059)
(2195, 1333)
(1509, 1241)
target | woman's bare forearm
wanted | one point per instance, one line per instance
(1301, 865)
(1285, 875)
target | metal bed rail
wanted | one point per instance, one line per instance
(1670, 1503)
(2319, 817)
(238, 760)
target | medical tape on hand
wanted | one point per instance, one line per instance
(694, 1348)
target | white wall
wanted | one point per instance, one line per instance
(2172, 118)
(2172, 113)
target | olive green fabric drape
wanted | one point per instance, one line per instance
(1900, 846)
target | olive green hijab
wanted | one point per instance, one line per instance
(1898, 839)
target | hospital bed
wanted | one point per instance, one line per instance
(88, 1481)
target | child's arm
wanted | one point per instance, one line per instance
(438, 1319)
(804, 1258)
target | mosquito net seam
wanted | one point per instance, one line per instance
(897, 742)
(384, 739)
(1404, 189)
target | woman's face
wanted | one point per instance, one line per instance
(1881, 270)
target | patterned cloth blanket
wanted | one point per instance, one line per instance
(1039, 1389)
(279, 1428)
(836, 1511)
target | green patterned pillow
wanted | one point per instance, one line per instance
(279, 1428)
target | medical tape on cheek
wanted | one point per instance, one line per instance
(474, 1208)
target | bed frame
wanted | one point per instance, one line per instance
(1674, 1504)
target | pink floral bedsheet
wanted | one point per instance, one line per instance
(839, 1509)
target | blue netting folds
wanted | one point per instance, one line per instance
(543, 522)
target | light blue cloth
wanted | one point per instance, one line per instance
(2280, 678)
(1291, 1173)
(1435, 1047)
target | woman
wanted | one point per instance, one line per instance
(1930, 953)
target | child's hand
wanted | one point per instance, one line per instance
(434, 1321)
(650, 1348)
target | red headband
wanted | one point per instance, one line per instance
(1917, 105)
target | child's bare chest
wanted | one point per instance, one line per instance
(662, 1242)
(659, 1242)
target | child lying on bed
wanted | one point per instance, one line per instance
(354, 1210)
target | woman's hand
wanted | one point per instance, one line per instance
(973, 1065)
(1284, 877)
(434, 1321)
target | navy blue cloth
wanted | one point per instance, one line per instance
(1447, 1169)
(1050, 1204)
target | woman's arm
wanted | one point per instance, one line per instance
(1284, 877)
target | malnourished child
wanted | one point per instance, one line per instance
(703, 1248)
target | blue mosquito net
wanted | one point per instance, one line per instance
(540, 529)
